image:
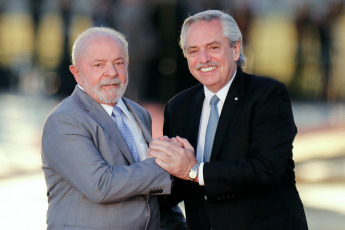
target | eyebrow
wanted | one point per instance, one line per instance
(212, 43)
(208, 44)
(98, 60)
(102, 60)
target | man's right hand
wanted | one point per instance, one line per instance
(175, 156)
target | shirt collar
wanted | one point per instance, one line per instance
(120, 104)
(221, 94)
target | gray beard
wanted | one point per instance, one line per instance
(105, 97)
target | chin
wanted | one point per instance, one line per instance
(109, 98)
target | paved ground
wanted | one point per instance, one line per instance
(319, 154)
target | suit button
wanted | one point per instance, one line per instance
(205, 197)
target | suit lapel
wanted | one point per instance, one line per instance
(193, 115)
(97, 112)
(233, 99)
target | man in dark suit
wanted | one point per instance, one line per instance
(94, 146)
(228, 140)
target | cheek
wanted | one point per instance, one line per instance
(191, 65)
(123, 76)
(92, 79)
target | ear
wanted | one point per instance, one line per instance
(75, 71)
(237, 50)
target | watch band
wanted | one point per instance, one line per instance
(193, 172)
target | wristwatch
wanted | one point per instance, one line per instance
(193, 172)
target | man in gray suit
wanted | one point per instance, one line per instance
(97, 176)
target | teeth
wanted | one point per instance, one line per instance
(207, 69)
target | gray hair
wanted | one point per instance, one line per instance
(230, 30)
(84, 38)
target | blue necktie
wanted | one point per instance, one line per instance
(126, 133)
(211, 128)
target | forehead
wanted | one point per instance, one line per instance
(203, 32)
(105, 47)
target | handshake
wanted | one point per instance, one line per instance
(175, 155)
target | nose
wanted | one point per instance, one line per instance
(111, 70)
(204, 56)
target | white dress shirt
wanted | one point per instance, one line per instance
(205, 113)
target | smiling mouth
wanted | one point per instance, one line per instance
(208, 69)
(110, 84)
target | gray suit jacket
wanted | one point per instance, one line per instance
(92, 179)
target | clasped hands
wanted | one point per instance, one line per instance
(175, 155)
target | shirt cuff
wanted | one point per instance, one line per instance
(201, 174)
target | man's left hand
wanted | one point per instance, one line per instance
(177, 157)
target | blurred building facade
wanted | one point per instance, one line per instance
(301, 43)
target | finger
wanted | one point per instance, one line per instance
(153, 141)
(162, 156)
(149, 155)
(164, 138)
(168, 147)
(175, 141)
(160, 141)
(170, 143)
(185, 143)
(154, 153)
(159, 138)
(159, 147)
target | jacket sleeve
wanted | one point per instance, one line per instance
(74, 153)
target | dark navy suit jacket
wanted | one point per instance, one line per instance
(250, 180)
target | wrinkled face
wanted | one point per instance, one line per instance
(102, 70)
(210, 58)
